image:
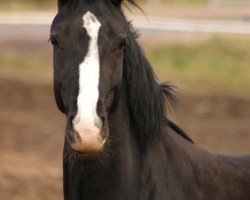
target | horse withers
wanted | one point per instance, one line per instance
(119, 144)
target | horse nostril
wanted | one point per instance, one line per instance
(77, 135)
(98, 123)
(73, 136)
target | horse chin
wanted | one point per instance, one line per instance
(88, 149)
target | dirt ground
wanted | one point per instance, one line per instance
(31, 135)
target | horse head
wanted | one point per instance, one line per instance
(88, 39)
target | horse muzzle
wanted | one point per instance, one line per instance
(86, 139)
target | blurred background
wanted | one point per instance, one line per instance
(200, 46)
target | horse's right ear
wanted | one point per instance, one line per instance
(61, 3)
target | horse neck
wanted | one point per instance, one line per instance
(171, 148)
(122, 138)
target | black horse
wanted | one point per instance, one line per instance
(119, 144)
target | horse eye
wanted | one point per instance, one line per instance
(123, 44)
(54, 41)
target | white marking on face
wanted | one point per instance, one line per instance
(89, 71)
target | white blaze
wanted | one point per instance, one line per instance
(89, 71)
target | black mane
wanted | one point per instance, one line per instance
(147, 98)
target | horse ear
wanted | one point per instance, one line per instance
(61, 3)
(117, 3)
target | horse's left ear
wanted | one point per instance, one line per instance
(117, 3)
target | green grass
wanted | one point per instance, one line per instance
(218, 61)
(26, 65)
(25, 60)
